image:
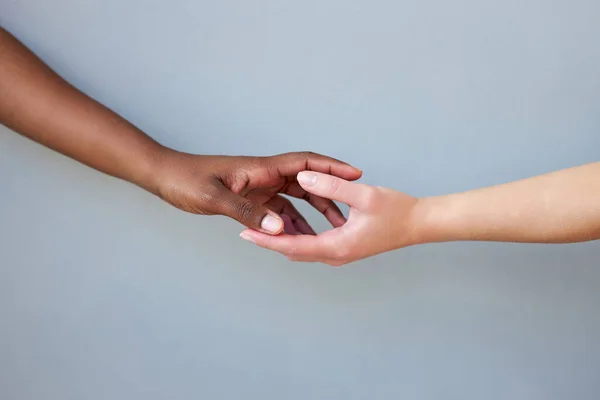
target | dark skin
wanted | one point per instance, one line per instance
(241, 186)
(39, 104)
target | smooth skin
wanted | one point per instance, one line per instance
(559, 207)
(40, 105)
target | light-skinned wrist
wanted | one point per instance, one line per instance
(435, 220)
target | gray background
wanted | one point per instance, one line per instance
(107, 293)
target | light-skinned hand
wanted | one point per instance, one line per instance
(380, 220)
(558, 207)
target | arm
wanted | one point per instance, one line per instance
(558, 207)
(39, 104)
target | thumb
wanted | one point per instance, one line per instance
(250, 214)
(334, 188)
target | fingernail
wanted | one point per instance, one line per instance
(271, 224)
(246, 237)
(307, 178)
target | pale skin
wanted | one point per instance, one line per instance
(559, 207)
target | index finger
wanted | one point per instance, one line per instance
(289, 164)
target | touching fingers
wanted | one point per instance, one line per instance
(284, 207)
(289, 164)
(247, 212)
(325, 206)
(288, 225)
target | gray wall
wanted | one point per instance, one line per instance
(107, 293)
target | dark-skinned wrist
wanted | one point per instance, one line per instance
(151, 168)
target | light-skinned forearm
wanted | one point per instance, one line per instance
(37, 103)
(559, 207)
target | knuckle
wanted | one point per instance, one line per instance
(253, 163)
(245, 210)
(334, 185)
(291, 253)
(370, 197)
(306, 156)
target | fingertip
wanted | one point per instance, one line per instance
(247, 237)
(355, 173)
(338, 221)
(348, 172)
(247, 232)
(307, 179)
(253, 236)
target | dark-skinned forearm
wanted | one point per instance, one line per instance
(39, 104)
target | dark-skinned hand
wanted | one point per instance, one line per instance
(249, 189)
